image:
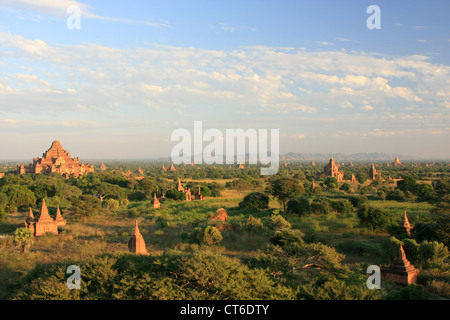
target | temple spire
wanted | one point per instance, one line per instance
(136, 229)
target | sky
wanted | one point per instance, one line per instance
(117, 82)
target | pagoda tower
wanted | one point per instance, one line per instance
(45, 224)
(156, 203)
(60, 221)
(401, 270)
(136, 243)
(405, 226)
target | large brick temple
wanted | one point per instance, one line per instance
(58, 160)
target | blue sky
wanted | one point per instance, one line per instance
(138, 70)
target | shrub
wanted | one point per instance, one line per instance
(208, 236)
(285, 236)
(320, 206)
(373, 217)
(111, 204)
(342, 206)
(433, 252)
(411, 292)
(357, 201)
(278, 222)
(254, 223)
(299, 205)
(396, 194)
(175, 194)
(255, 201)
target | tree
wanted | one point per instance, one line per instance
(320, 206)
(208, 236)
(23, 238)
(175, 194)
(373, 217)
(19, 197)
(284, 189)
(87, 206)
(407, 184)
(342, 206)
(331, 183)
(147, 186)
(299, 205)
(107, 190)
(255, 201)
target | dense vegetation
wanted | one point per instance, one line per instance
(283, 239)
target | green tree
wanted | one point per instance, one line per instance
(107, 190)
(320, 206)
(331, 183)
(23, 238)
(19, 197)
(255, 201)
(299, 205)
(373, 217)
(87, 206)
(284, 189)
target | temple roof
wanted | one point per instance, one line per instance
(44, 213)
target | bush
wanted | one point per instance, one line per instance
(175, 194)
(342, 206)
(299, 205)
(208, 236)
(396, 194)
(254, 223)
(255, 201)
(411, 292)
(285, 237)
(357, 201)
(320, 206)
(373, 217)
(111, 204)
(137, 196)
(433, 252)
(278, 222)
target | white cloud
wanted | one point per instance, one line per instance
(287, 80)
(58, 8)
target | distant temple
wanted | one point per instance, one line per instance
(332, 170)
(57, 160)
(45, 224)
(156, 203)
(373, 173)
(136, 243)
(397, 161)
(354, 178)
(401, 270)
(102, 166)
(405, 227)
(172, 168)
